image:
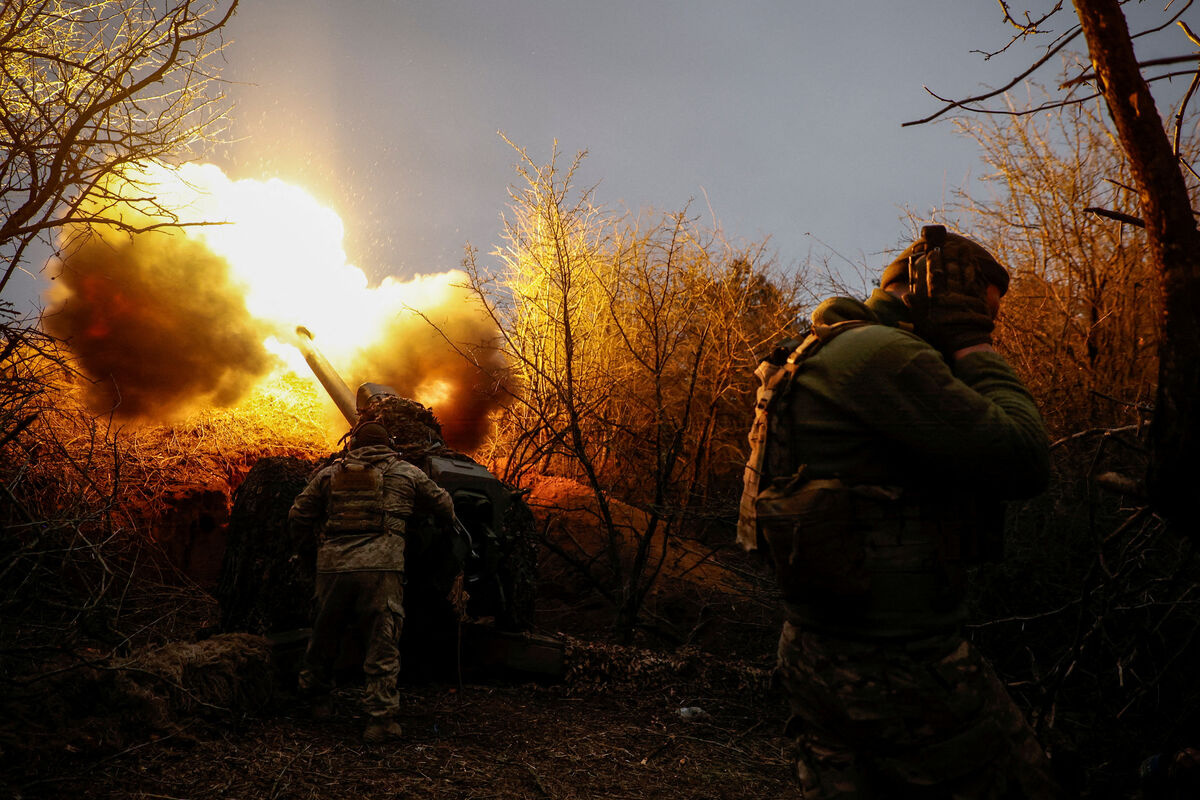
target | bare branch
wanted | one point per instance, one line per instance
(1183, 104)
(1117, 215)
(1154, 62)
(91, 86)
(951, 104)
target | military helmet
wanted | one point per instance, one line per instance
(369, 433)
(954, 247)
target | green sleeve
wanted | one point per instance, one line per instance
(975, 424)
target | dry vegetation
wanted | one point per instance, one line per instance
(630, 340)
(100, 522)
(1092, 619)
(106, 695)
(617, 734)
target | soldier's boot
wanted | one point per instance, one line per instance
(382, 730)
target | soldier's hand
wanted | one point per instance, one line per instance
(948, 298)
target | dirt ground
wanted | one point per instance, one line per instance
(608, 732)
(687, 712)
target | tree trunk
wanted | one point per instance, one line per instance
(1175, 246)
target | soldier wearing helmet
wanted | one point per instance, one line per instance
(883, 448)
(359, 506)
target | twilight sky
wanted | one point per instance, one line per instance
(780, 117)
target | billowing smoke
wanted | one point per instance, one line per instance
(173, 319)
(158, 323)
(435, 357)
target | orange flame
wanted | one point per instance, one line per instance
(174, 317)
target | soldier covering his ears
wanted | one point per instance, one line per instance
(882, 450)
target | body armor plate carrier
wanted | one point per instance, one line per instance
(356, 498)
(891, 558)
(775, 377)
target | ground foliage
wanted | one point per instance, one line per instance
(88, 572)
(1092, 619)
(626, 722)
(88, 504)
(111, 703)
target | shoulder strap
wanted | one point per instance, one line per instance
(775, 380)
(818, 336)
(827, 333)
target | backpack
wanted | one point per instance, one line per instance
(775, 374)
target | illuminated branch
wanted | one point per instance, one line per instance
(89, 86)
(1027, 28)
(1117, 215)
(1154, 62)
(1188, 96)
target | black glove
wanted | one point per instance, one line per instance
(948, 299)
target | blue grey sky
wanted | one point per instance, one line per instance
(781, 118)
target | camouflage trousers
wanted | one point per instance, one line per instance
(922, 718)
(369, 605)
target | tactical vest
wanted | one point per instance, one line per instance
(867, 559)
(356, 497)
(774, 381)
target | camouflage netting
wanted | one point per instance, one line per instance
(519, 564)
(413, 426)
(262, 588)
(594, 667)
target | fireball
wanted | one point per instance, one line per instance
(189, 295)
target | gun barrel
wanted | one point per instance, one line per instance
(342, 397)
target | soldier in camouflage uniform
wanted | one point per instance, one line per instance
(359, 506)
(876, 479)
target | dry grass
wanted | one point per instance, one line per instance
(597, 735)
(82, 576)
(282, 418)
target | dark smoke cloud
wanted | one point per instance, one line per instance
(157, 321)
(413, 353)
(161, 324)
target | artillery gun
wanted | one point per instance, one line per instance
(264, 588)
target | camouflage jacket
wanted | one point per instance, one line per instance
(405, 489)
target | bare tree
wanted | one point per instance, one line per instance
(1098, 631)
(1160, 179)
(1080, 321)
(90, 86)
(1175, 241)
(87, 89)
(629, 339)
